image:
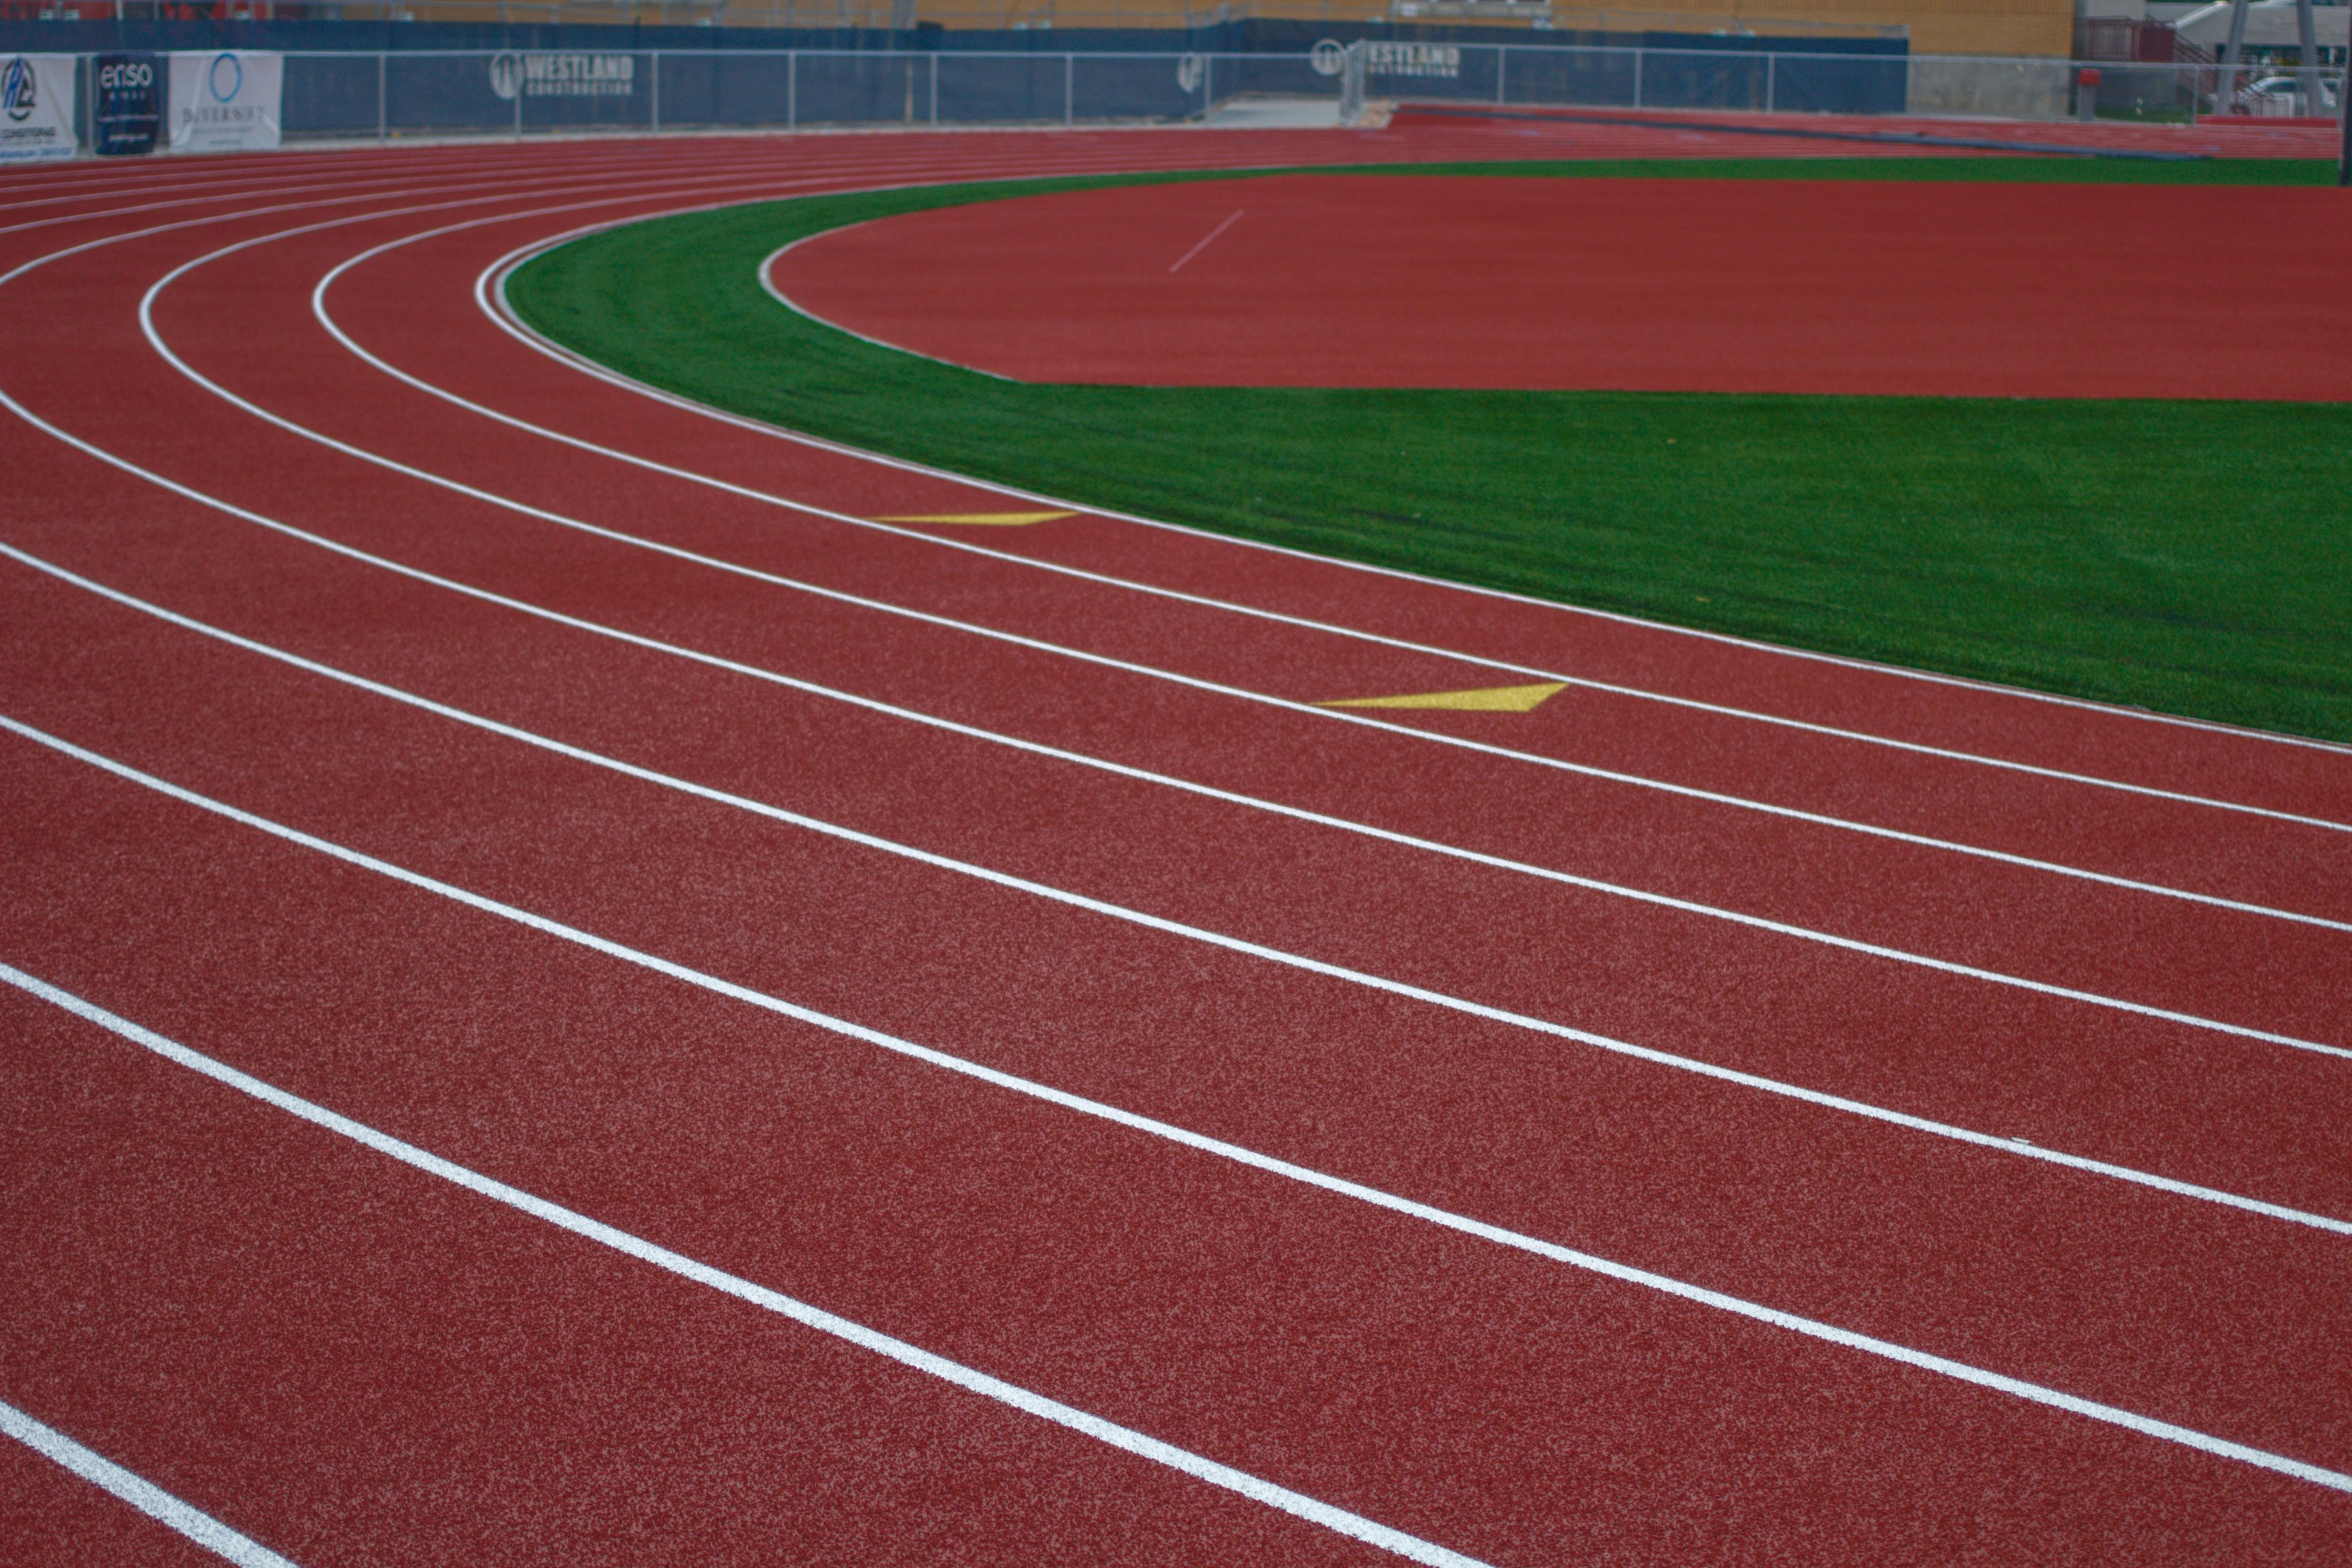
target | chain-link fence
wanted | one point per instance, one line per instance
(409, 93)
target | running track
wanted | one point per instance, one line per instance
(572, 998)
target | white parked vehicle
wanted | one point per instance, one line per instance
(2282, 95)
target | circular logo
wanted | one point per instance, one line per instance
(234, 75)
(1330, 57)
(505, 75)
(16, 88)
(1189, 70)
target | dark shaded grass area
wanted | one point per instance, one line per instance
(2189, 556)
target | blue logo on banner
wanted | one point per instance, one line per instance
(17, 91)
(236, 79)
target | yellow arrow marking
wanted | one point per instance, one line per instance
(983, 519)
(1484, 699)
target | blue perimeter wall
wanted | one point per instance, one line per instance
(1861, 76)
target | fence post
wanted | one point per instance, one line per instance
(383, 113)
(520, 83)
(654, 59)
(935, 90)
(1637, 78)
(1069, 89)
(1502, 64)
(792, 89)
(1771, 74)
(1208, 84)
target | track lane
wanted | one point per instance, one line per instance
(1845, 1221)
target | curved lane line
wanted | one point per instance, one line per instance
(1166, 926)
(1085, 1424)
(1589, 1263)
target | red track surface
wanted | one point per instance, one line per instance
(543, 825)
(1834, 285)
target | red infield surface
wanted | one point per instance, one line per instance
(570, 995)
(1832, 285)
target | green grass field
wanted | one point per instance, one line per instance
(2188, 557)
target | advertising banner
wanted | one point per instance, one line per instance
(37, 108)
(130, 104)
(226, 101)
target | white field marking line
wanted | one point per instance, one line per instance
(504, 315)
(1190, 933)
(1109, 1433)
(100, 1471)
(317, 299)
(1180, 261)
(1662, 899)
(1303, 1174)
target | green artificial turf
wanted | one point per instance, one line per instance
(2188, 557)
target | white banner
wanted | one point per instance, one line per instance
(37, 108)
(226, 101)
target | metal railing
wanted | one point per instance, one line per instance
(520, 92)
(406, 93)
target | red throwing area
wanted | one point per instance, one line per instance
(1665, 285)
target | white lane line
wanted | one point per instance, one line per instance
(1180, 261)
(1125, 1438)
(100, 1471)
(491, 295)
(2007, 1145)
(1589, 1263)
(1785, 928)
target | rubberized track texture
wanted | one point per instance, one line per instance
(1834, 285)
(568, 993)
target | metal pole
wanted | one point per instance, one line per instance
(656, 67)
(935, 90)
(1637, 79)
(2232, 52)
(2344, 110)
(1069, 89)
(518, 87)
(792, 89)
(382, 116)
(2308, 51)
(1502, 63)
(1771, 79)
